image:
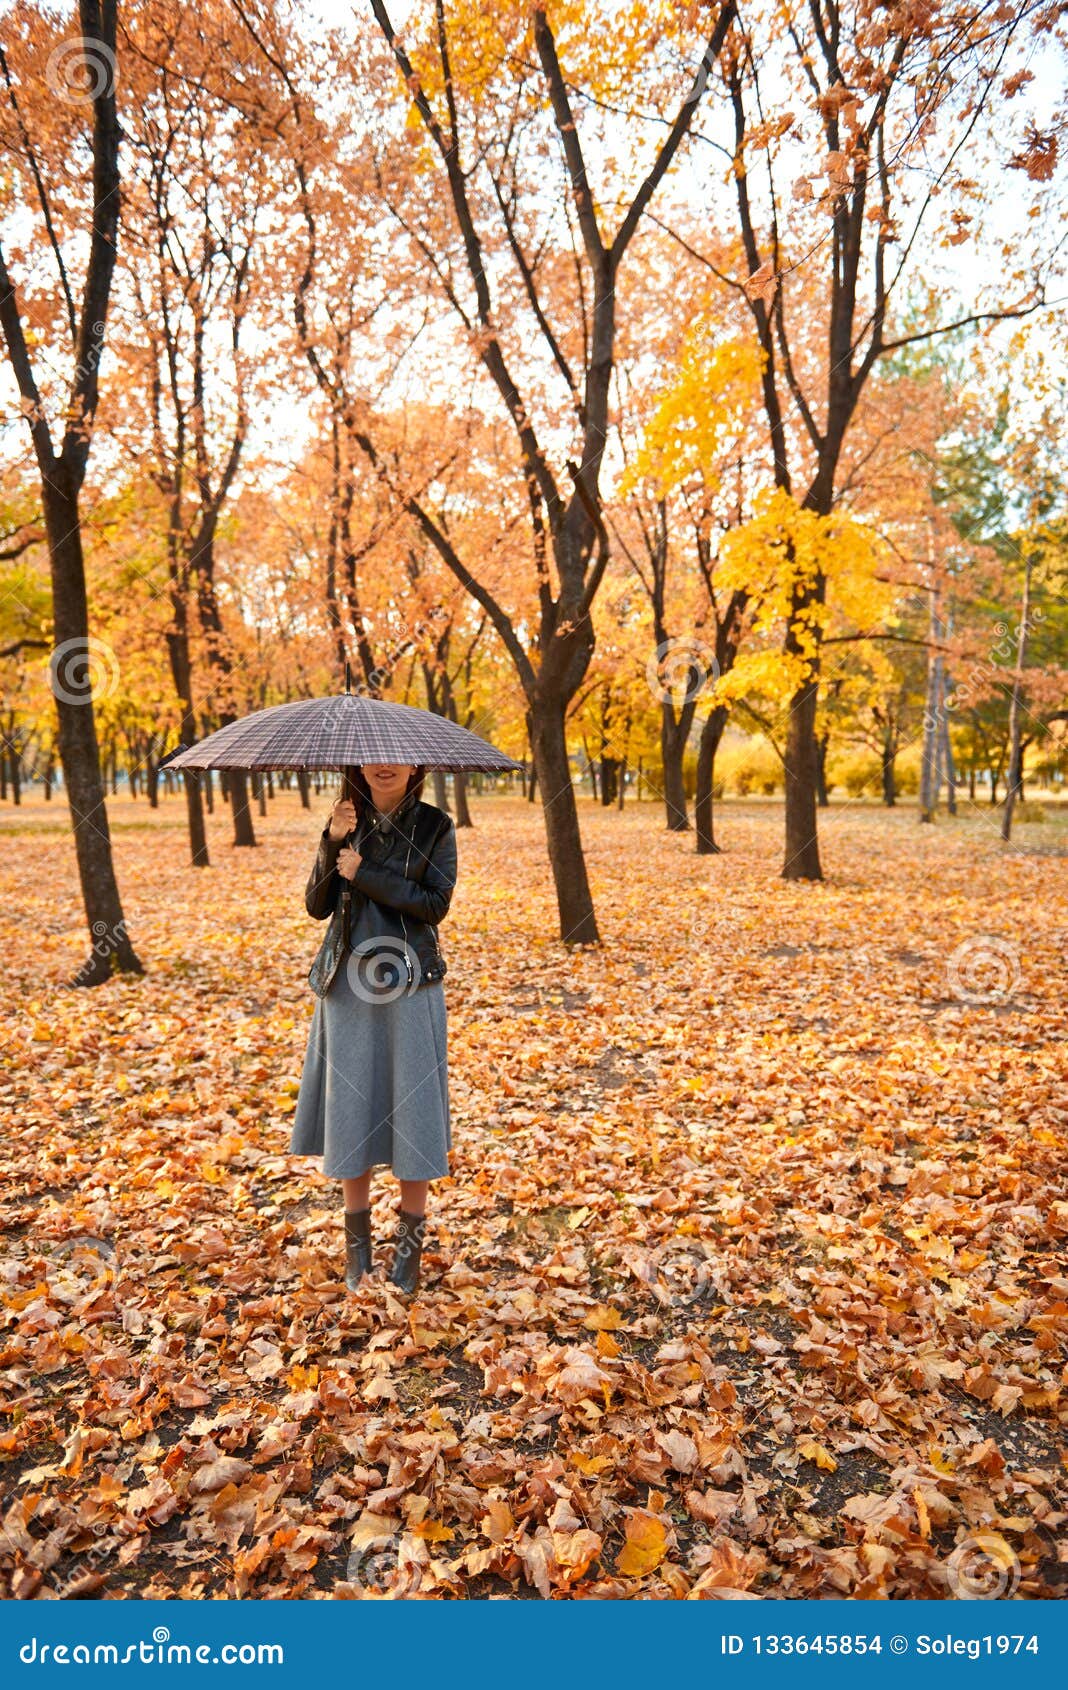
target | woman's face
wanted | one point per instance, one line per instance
(387, 780)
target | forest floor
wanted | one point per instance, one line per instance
(749, 1277)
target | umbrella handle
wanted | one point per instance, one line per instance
(348, 790)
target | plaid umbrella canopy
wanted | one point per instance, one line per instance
(338, 733)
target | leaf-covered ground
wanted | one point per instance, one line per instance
(749, 1278)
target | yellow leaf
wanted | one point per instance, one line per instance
(809, 1450)
(646, 1544)
(603, 1318)
(939, 1461)
(432, 1531)
(922, 1514)
(591, 1465)
(302, 1378)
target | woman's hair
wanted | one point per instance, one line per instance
(363, 799)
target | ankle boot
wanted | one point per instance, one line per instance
(408, 1242)
(357, 1246)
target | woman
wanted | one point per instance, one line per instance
(374, 1090)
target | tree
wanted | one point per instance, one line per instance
(42, 130)
(530, 280)
(688, 481)
(193, 217)
(872, 93)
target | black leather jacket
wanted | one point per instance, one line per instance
(407, 874)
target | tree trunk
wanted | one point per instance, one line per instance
(590, 769)
(244, 833)
(802, 843)
(931, 756)
(578, 924)
(947, 753)
(929, 752)
(202, 563)
(78, 752)
(889, 761)
(672, 751)
(707, 746)
(821, 771)
(181, 673)
(1014, 787)
(462, 817)
(800, 762)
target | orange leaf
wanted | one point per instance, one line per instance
(646, 1543)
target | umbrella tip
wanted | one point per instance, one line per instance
(348, 682)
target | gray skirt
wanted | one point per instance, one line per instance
(374, 1091)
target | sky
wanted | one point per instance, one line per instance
(963, 271)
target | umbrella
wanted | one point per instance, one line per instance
(337, 733)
